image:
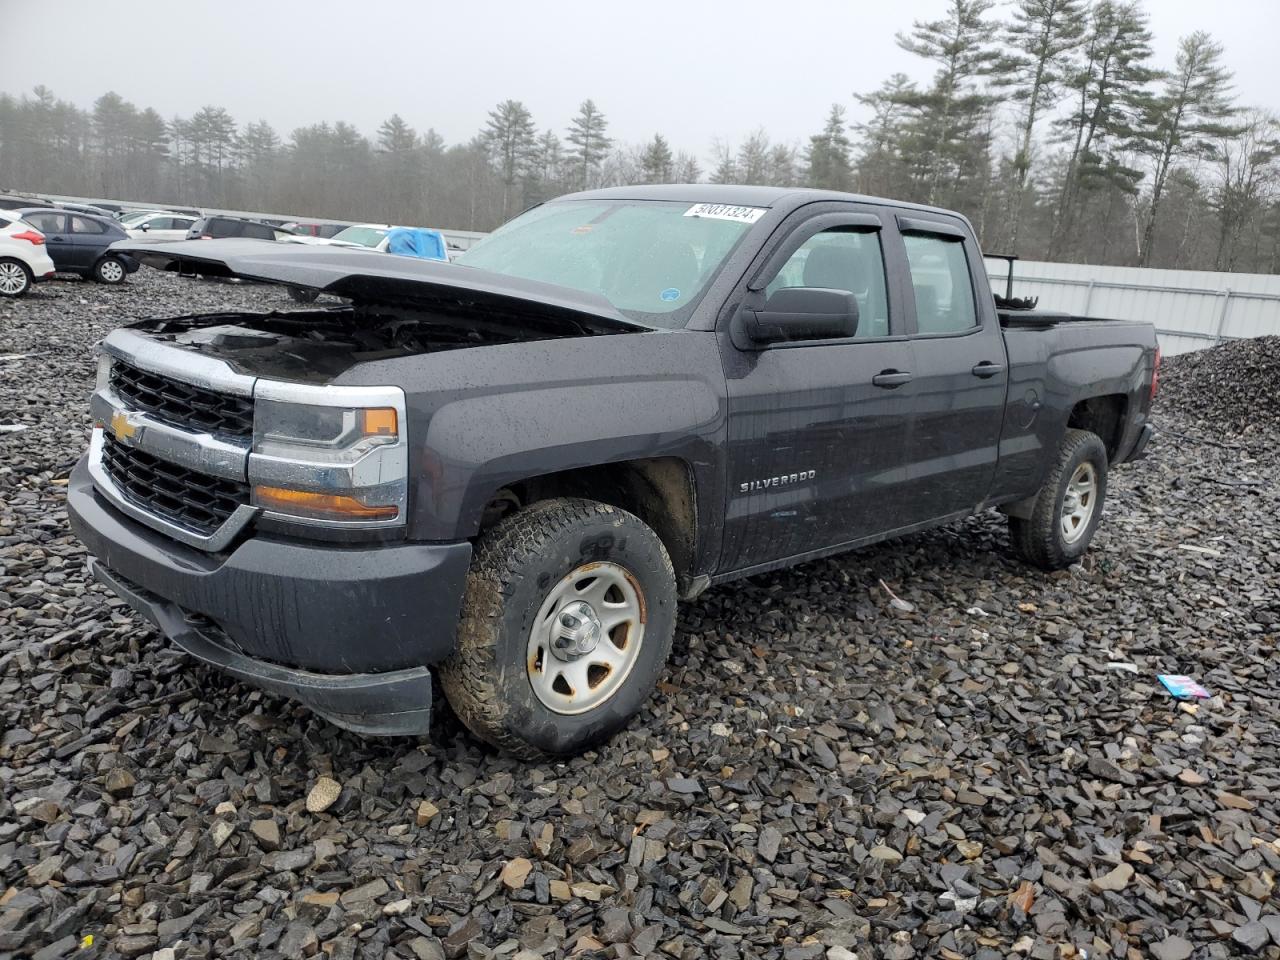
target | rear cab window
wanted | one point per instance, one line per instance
(941, 282)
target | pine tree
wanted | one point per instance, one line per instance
(510, 139)
(881, 164)
(946, 129)
(726, 168)
(829, 160)
(396, 136)
(1184, 119)
(589, 141)
(1040, 44)
(656, 161)
(1106, 92)
(753, 158)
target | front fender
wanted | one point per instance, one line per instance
(486, 417)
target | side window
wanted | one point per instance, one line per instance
(843, 259)
(220, 228)
(181, 223)
(259, 232)
(943, 289)
(160, 223)
(85, 225)
(47, 222)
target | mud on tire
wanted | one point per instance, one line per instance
(1040, 539)
(516, 568)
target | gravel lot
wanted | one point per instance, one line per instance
(995, 773)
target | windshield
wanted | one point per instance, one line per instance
(365, 236)
(135, 217)
(650, 259)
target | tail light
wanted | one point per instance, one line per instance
(1155, 374)
(34, 237)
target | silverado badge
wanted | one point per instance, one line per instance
(785, 479)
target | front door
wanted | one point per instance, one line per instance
(960, 371)
(816, 435)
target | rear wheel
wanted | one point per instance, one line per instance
(109, 270)
(1068, 507)
(15, 278)
(566, 625)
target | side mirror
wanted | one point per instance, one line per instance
(145, 227)
(803, 313)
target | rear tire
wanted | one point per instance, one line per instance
(15, 278)
(109, 270)
(1067, 508)
(566, 626)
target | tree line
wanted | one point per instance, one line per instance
(1052, 127)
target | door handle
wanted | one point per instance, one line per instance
(891, 378)
(986, 369)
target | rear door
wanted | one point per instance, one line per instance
(815, 441)
(959, 364)
(89, 238)
(57, 237)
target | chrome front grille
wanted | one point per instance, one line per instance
(193, 500)
(183, 405)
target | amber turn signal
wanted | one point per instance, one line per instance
(321, 506)
(378, 421)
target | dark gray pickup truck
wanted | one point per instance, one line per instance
(508, 469)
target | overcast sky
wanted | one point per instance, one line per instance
(693, 71)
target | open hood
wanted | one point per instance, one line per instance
(367, 277)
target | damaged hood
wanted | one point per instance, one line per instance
(368, 277)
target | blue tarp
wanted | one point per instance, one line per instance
(417, 242)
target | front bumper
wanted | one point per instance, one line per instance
(347, 630)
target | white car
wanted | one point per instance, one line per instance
(23, 259)
(160, 226)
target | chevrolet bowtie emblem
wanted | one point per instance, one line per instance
(122, 426)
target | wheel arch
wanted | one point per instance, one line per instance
(659, 490)
(1103, 415)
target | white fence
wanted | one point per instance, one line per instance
(1191, 309)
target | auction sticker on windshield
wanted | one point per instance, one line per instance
(725, 211)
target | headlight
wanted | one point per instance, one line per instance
(329, 455)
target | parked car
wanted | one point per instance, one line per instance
(80, 243)
(371, 235)
(10, 201)
(23, 258)
(511, 468)
(313, 228)
(160, 226)
(128, 218)
(221, 227)
(85, 208)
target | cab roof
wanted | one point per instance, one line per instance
(742, 195)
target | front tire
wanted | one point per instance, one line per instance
(15, 278)
(109, 270)
(1067, 508)
(566, 626)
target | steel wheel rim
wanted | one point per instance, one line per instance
(12, 278)
(111, 271)
(569, 673)
(1079, 501)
